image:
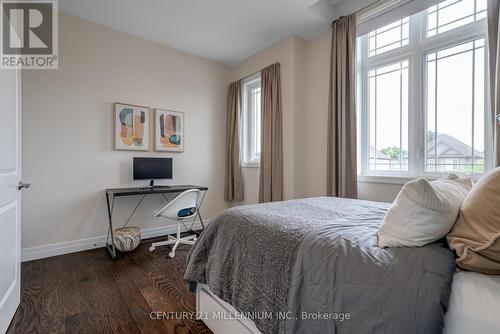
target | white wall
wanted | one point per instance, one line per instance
(318, 81)
(68, 137)
(299, 82)
(291, 54)
(379, 192)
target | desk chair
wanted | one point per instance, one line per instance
(181, 208)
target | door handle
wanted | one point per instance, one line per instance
(23, 185)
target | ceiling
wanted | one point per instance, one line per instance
(226, 31)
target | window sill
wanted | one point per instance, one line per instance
(250, 165)
(388, 179)
(385, 179)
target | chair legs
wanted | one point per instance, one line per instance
(189, 240)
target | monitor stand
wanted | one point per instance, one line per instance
(151, 185)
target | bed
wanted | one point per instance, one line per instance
(313, 266)
(474, 305)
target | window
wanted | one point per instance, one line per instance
(431, 164)
(251, 122)
(452, 14)
(390, 37)
(422, 93)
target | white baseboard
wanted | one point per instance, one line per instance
(60, 248)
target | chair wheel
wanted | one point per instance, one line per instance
(171, 254)
(152, 249)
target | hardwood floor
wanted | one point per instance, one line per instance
(87, 292)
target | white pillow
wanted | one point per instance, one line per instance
(423, 212)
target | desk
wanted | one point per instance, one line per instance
(111, 194)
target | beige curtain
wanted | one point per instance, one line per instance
(271, 156)
(341, 156)
(233, 188)
(494, 46)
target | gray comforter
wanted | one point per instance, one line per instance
(313, 266)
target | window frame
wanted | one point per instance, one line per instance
(415, 51)
(247, 122)
(375, 33)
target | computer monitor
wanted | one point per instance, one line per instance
(152, 169)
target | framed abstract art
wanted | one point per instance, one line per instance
(131, 127)
(169, 131)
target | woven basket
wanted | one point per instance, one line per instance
(127, 239)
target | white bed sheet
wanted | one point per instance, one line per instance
(474, 304)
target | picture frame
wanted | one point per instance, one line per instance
(131, 127)
(169, 131)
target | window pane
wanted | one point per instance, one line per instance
(255, 148)
(452, 14)
(455, 109)
(390, 37)
(251, 126)
(388, 109)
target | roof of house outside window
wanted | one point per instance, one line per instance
(450, 147)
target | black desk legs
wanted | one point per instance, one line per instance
(201, 220)
(198, 210)
(110, 248)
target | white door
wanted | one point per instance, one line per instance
(10, 197)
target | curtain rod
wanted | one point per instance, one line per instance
(362, 9)
(367, 6)
(249, 75)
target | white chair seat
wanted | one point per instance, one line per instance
(186, 200)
